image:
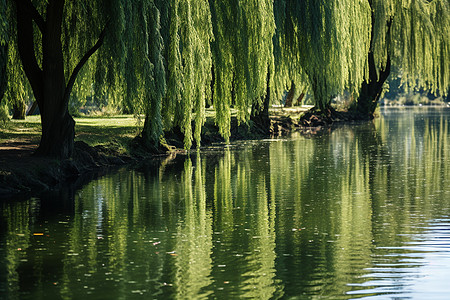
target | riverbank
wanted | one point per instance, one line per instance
(105, 144)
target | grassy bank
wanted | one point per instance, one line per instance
(108, 131)
(100, 143)
(106, 143)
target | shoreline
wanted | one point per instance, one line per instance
(22, 175)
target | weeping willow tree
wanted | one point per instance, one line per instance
(159, 57)
(421, 38)
(289, 74)
(144, 67)
(54, 39)
(11, 95)
(331, 41)
(110, 49)
(351, 45)
(242, 58)
(190, 62)
(3, 55)
(167, 66)
(413, 35)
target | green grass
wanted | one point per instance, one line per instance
(114, 131)
(111, 131)
(28, 130)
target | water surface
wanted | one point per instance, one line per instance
(362, 211)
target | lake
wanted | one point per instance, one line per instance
(361, 211)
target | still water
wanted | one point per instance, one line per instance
(358, 212)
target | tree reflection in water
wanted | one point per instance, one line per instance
(303, 217)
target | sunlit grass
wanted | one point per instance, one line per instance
(111, 130)
(21, 130)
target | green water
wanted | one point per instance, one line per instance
(358, 212)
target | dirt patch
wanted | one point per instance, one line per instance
(22, 173)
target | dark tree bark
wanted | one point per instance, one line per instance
(3, 79)
(371, 90)
(19, 109)
(290, 95)
(209, 102)
(48, 84)
(260, 111)
(300, 98)
(32, 109)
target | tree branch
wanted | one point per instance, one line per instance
(25, 42)
(82, 62)
(35, 15)
(384, 73)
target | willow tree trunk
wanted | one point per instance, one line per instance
(371, 89)
(260, 111)
(290, 95)
(300, 98)
(58, 127)
(48, 84)
(19, 109)
(321, 105)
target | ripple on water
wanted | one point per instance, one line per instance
(419, 269)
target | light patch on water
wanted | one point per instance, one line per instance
(418, 270)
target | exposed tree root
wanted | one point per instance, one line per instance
(316, 118)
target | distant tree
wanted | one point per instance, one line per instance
(414, 36)
(289, 74)
(348, 45)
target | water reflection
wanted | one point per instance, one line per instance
(362, 211)
(194, 241)
(419, 269)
